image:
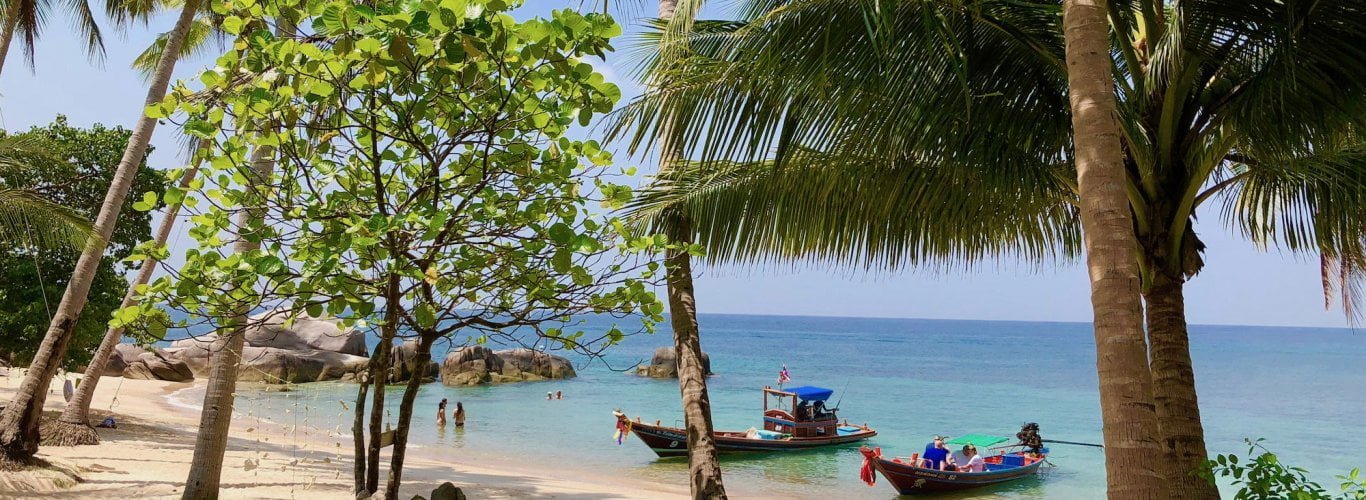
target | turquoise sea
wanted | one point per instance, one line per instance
(1303, 389)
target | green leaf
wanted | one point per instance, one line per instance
(147, 203)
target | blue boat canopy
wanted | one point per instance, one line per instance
(811, 393)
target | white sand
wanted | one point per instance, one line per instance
(148, 456)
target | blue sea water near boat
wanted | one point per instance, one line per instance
(1303, 389)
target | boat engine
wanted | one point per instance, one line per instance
(1029, 437)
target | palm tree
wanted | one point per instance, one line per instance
(19, 433)
(26, 18)
(26, 217)
(206, 468)
(704, 468)
(1126, 397)
(73, 427)
(1255, 103)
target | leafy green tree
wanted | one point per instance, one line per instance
(403, 165)
(960, 110)
(72, 170)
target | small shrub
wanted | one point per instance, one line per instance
(1263, 476)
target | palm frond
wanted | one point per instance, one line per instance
(26, 217)
(871, 214)
(817, 75)
(202, 38)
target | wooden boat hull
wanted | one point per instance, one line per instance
(673, 442)
(911, 480)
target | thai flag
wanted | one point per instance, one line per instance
(783, 377)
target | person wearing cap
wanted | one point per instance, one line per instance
(937, 456)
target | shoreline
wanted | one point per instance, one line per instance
(150, 453)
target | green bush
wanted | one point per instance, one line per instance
(1263, 476)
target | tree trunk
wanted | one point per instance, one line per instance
(704, 469)
(206, 468)
(1178, 411)
(421, 357)
(73, 427)
(19, 434)
(358, 437)
(1129, 419)
(379, 375)
(7, 33)
(703, 466)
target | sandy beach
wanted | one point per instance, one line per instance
(148, 456)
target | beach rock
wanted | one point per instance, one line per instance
(447, 491)
(156, 365)
(273, 365)
(403, 362)
(474, 365)
(664, 364)
(306, 333)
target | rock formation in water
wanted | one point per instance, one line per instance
(474, 365)
(664, 364)
(402, 364)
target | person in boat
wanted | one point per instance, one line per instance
(819, 410)
(459, 414)
(972, 461)
(441, 413)
(937, 456)
(803, 411)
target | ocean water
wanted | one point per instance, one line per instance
(1302, 389)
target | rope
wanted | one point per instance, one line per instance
(37, 269)
(115, 402)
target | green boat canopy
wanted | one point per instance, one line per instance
(981, 441)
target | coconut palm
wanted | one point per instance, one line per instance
(26, 18)
(1256, 104)
(704, 467)
(26, 217)
(19, 433)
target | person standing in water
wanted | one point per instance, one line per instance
(441, 413)
(459, 414)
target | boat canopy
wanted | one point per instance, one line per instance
(978, 440)
(811, 393)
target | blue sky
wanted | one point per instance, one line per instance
(1240, 284)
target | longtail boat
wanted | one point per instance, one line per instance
(803, 424)
(910, 476)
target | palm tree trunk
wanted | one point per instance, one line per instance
(421, 357)
(206, 468)
(1178, 411)
(7, 33)
(704, 469)
(73, 427)
(1129, 420)
(703, 466)
(19, 434)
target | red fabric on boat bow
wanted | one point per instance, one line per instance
(866, 472)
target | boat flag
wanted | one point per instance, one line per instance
(783, 377)
(623, 427)
(623, 430)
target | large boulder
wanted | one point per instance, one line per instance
(271, 365)
(309, 350)
(155, 364)
(403, 362)
(306, 333)
(474, 365)
(664, 364)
